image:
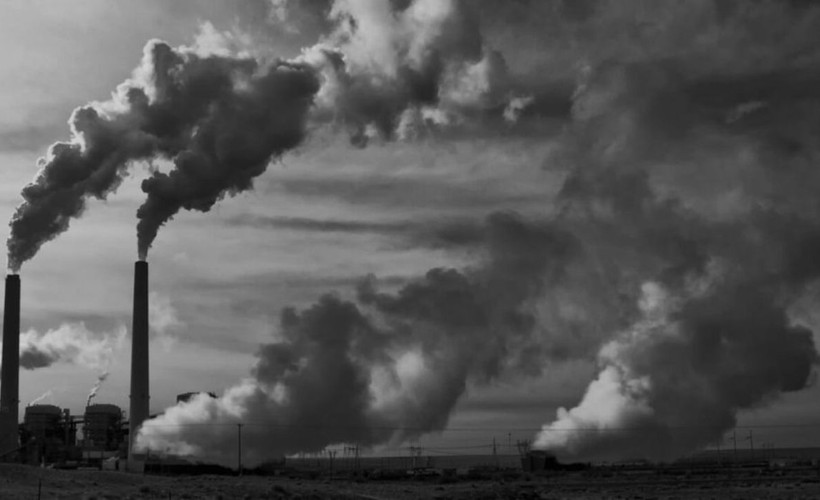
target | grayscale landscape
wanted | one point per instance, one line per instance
(410, 249)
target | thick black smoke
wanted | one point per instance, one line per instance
(180, 105)
(222, 117)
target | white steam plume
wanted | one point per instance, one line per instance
(100, 379)
(48, 394)
(69, 343)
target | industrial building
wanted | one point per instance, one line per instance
(49, 434)
(103, 428)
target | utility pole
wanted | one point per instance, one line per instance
(239, 448)
(734, 443)
(495, 454)
(331, 454)
(415, 455)
(751, 443)
(354, 452)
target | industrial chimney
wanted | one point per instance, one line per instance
(10, 383)
(139, 354)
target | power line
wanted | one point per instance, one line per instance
(477, 429)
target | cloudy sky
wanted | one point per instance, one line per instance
(622, 193)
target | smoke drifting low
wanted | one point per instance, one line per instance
(708, 265)
(391, 367)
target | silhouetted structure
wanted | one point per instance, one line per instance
(140, 395)
(10, 385)
(103, 428)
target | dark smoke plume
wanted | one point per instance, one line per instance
(222, 117)
(182, 105)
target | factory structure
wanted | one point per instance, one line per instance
(49, 434)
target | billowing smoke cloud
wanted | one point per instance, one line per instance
(396, 69)
(706, 256)
(69, 343)
(100, 379)
(221, 115)
(685, 231)
(675, 380)
(219, 118)
(391, 367)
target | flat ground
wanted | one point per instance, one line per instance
(21, 482)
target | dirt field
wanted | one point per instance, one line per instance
(21, 482)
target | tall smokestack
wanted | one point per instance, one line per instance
(139, 352)
(9, 385)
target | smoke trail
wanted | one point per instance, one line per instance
(41, 397)
(381, 71)
(69, 343)
(100, 379)
(179, 104)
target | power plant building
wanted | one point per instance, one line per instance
(103, 427)
(48, 434)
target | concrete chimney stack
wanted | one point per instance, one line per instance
(139, 353)
(10, 382)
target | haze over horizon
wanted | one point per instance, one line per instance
(524, 218)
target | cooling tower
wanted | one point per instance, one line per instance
(138, 411)
(9, 385)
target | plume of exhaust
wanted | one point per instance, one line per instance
(100, 379)
(675, 380)
(383, 70)
(386, 369)
(221, 115)
(48, 394)
(706, 286)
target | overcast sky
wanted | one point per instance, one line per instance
(731, 87)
